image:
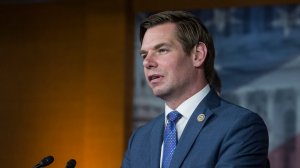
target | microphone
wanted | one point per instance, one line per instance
(45, 162)
(71, 163)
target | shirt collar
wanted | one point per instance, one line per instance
(187, 107)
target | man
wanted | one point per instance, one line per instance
(198, 128)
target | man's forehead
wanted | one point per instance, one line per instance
(159, 36)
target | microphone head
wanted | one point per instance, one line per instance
(71, 163)
(46, 161)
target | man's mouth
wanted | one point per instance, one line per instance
(154, 77)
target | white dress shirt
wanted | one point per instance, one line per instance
(186, 109)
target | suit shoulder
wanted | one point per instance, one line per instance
(234, 108)
(232, 111)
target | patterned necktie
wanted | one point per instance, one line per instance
(170, 138)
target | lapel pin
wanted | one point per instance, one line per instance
(201, 117)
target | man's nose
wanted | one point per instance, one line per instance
(149, 62)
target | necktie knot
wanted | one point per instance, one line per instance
(174, 116)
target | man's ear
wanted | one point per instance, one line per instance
(199, 55)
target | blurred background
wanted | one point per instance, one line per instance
(69, 77)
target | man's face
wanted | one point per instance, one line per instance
(169, 71)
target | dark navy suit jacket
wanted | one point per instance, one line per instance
(229, 137)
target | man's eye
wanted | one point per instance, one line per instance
(143, 55)
(162, 50)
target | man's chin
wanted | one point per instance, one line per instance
(159, 93)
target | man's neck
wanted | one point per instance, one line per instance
(175, 102)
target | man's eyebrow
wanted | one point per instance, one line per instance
(160, 45)
(143, 52)
(155, 47)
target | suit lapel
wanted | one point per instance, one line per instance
(193, 128)
(156, 139)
